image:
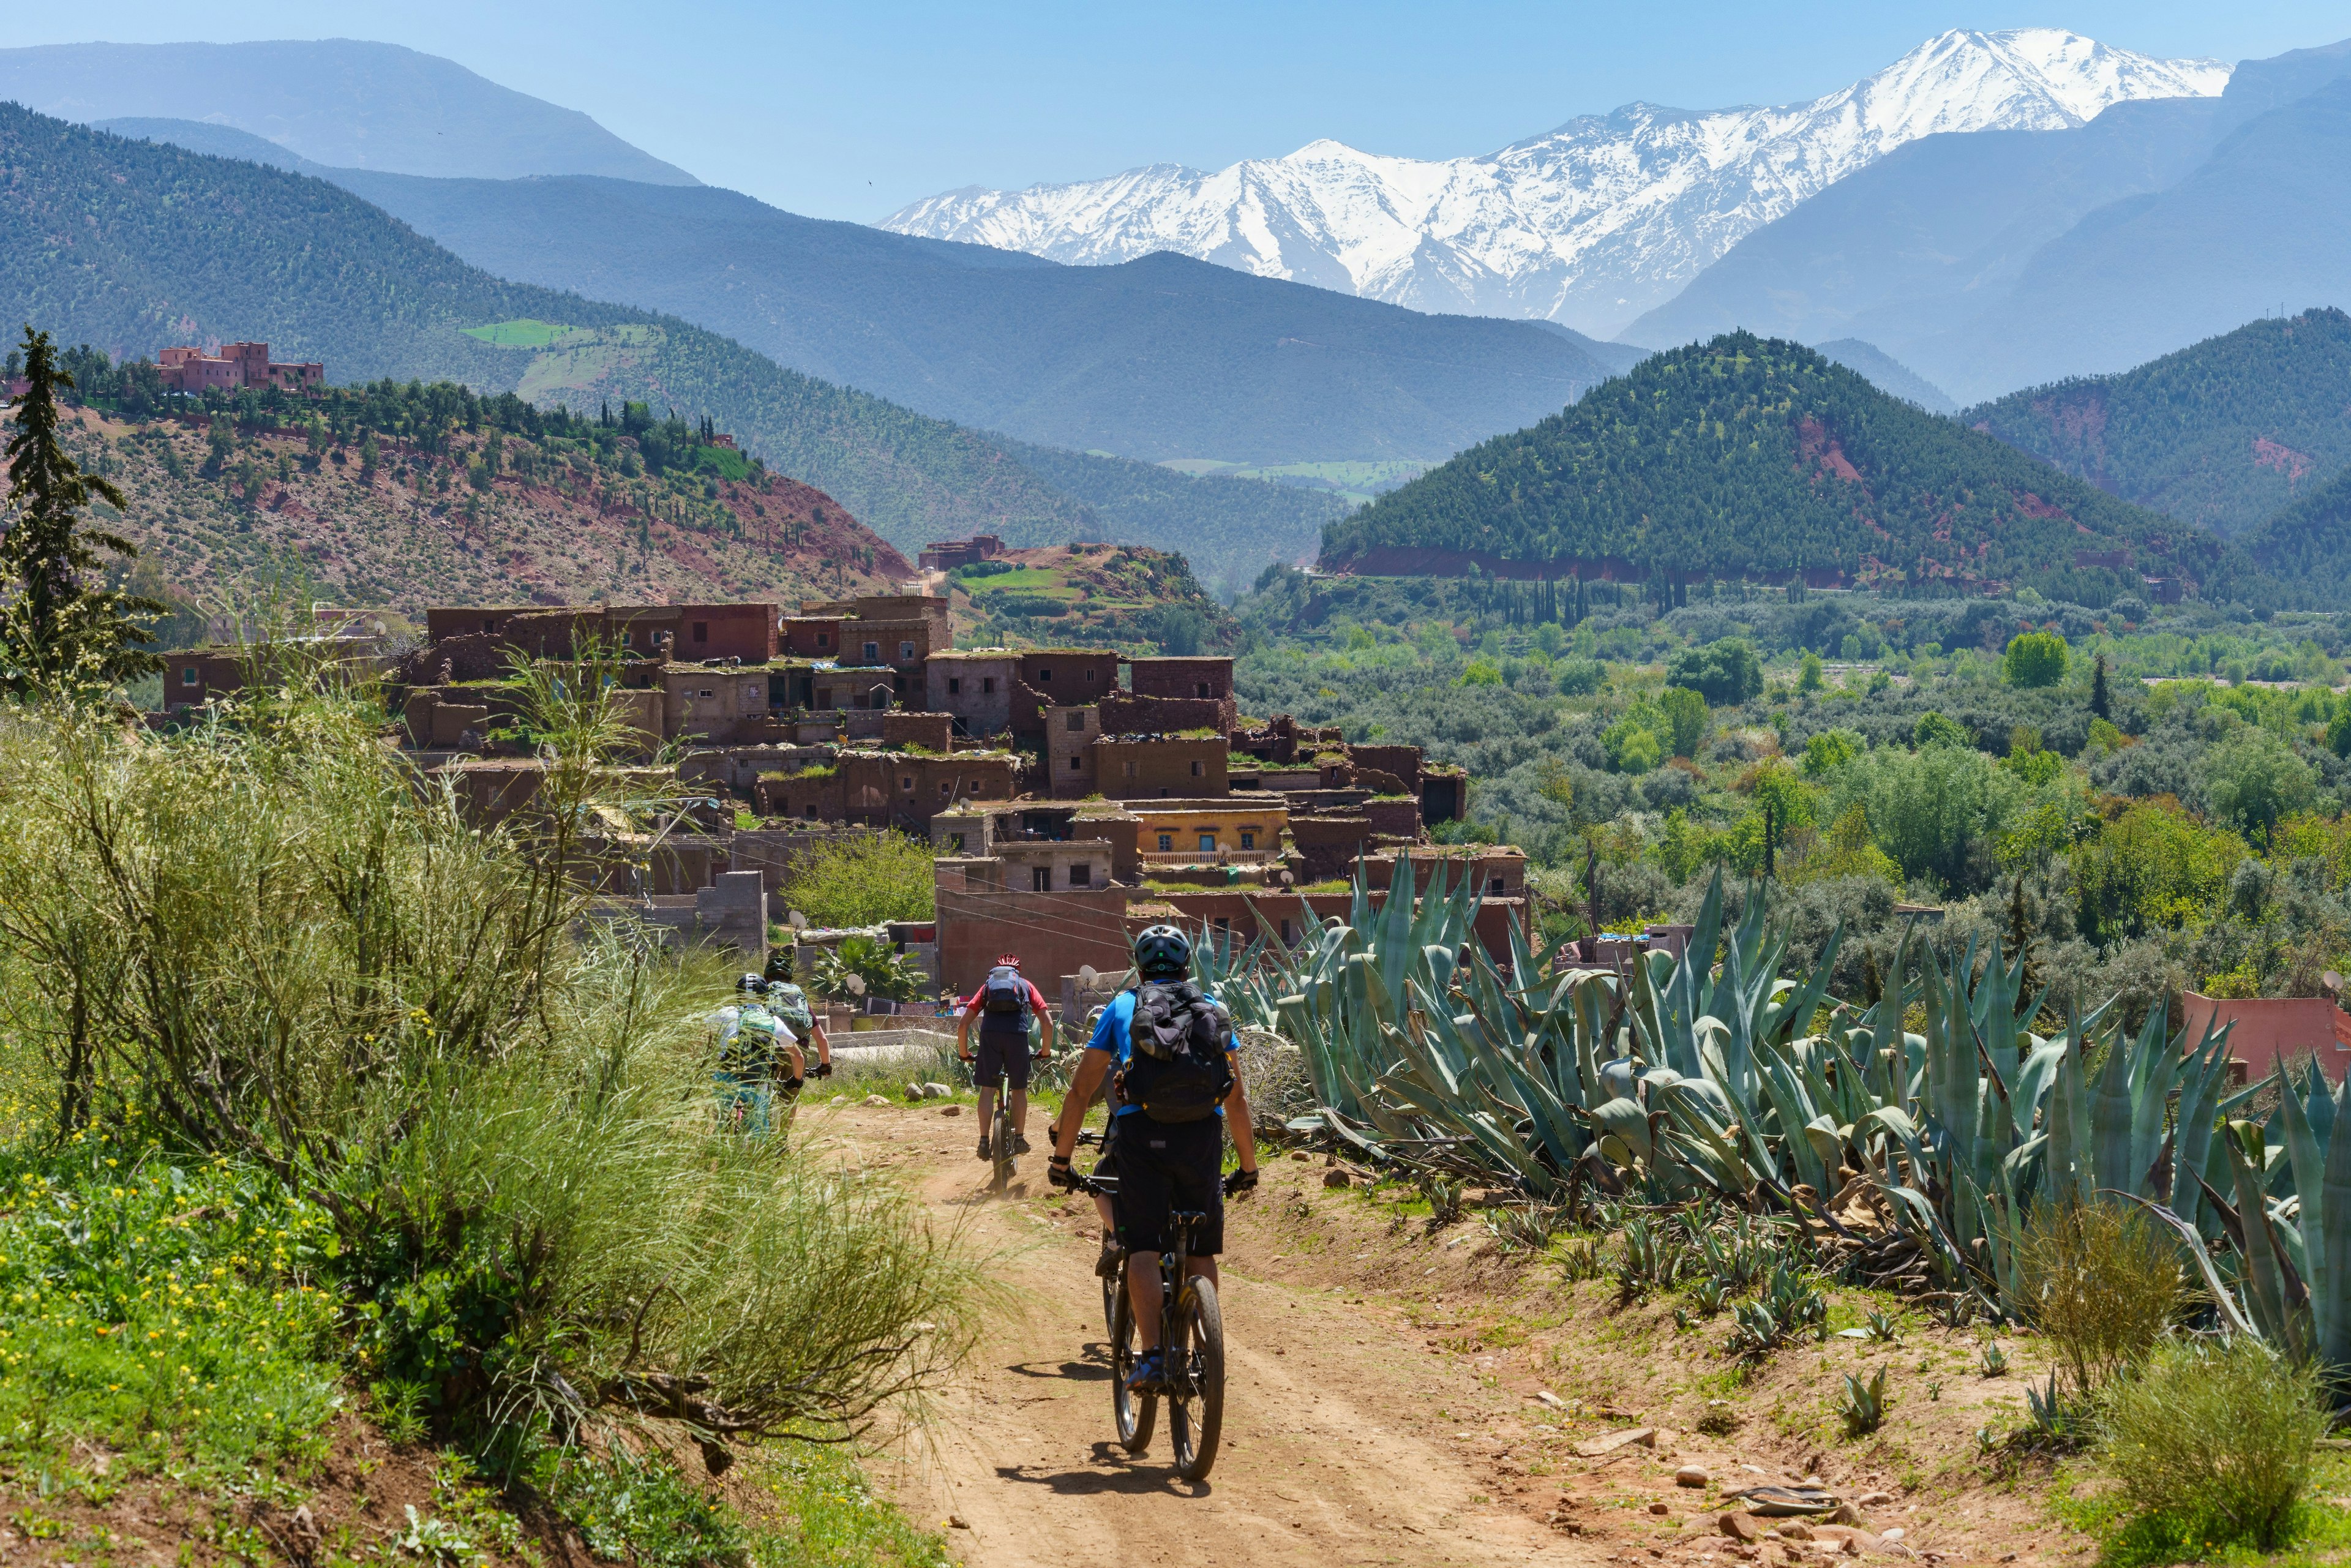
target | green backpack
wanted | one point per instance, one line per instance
(790, 1006)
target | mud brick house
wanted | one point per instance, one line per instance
(890, 789)
(852, 686)
(745, 631)
(1070, 737)
(918, 731)
(811, 636)
(975, 687)
(945, 555)
(1060, 678)
(236, 368)
(2266, 1032)
(199, 676)
(1177, 694)
(1055, 932)
(1237, 829)
(1140, 767)
(716, 704)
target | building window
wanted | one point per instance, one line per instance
(1285, 933)
(955, 685)
(905, 652)
(1204, 688)
(1081, 875)
(906, 782)
(1077, 723)
(1044, 677)
(1225, 923)
(955, 842)
(1090, 676)
(188, 677)
(987, 685)
(1130, 773)
(488, 627)
(873, 653)
(944, 786)
(1040, 878)
(708, 693)
(823, 640)
(1075, 764)
(1494, 888)
(702, 631)
(1167, 843)
(1248, 837)
(1195, 770)
(809, 811)
(1208, 843)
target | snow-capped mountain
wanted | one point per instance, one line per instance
(1588, 225)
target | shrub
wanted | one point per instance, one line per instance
(2034, 659)
(862, 881)
(2102, 1282)
(2221, 1439)
(1725, 673)
(1579, 677)
(2255, 779)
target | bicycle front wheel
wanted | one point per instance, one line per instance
(1195, 1363)
(1133, 1412)
(1000, 1133)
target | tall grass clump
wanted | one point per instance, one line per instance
(268, 938)
(2103, 1282)
(2214, 1444)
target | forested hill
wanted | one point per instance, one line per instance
(133, 246)
(2309, 541)
(1757, 457)
(2222, 433)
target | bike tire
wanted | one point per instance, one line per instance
(1000, 1133)
(1133, 1413)
(1114, 1292)
(1196, 1411)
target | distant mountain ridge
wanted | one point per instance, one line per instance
(1589, 225)
(2222, 433)
(2006, 259)
(130, 245)
(1752, 458)
(344, 103)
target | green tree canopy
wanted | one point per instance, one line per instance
(2255, 779)
(2034, 659)
(1725, 673)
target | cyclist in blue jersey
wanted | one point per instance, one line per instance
(1171, 1104)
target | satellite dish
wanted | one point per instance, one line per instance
(1087, 976)
(795, 920)
(2331, 980)
(856, 985)
(1287, 879)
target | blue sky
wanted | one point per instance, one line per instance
(850, 110)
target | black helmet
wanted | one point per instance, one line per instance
(1162, 953)
(753, 982)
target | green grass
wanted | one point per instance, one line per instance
(2319, 1532)
(526, 333)
(830, 1517)
(165, 1306)
(1030, 580)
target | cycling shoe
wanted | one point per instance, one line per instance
(1150, 1374)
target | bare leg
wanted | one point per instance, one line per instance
(1143, 1290)
(986, 1109)
(1020, 1113)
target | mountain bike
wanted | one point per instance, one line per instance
(1113, 1288)
(1000, 1132)
(1193, 1327)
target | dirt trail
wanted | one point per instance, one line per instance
(1334, 1452)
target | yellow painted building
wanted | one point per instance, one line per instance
(1195, 830)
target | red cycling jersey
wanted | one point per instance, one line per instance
(1036, 998)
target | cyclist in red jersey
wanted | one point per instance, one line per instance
(1001, 1007)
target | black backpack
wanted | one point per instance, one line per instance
(1004, 1001)
(1176, 1067)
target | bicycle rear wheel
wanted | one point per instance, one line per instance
(1000, 1132)
(1133, 1412)
(1196, 1405)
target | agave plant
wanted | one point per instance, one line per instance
(1863, 1403)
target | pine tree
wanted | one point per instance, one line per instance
(2100, 703)
(56, 627)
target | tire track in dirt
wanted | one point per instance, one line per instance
(1334, 1451)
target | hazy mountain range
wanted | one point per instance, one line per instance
(1589, 225)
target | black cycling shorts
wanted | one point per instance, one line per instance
(1163, 1167)
(1005, 1054)
(1107, 1166)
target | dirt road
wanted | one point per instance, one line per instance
(1341, 1441)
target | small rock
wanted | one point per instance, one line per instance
(838, 1100)
(1795, 1529)
(1546, 1397)
(1337, 1178)
(2008, 1556)
(1690, 1476)
(952, 1111)
(876, 1100)
(1810, 1481)
(1896, 1533)
(1300, 1155)
(956, 1522)
(1741, 1527)
(1875, 1498)
(1661, 1507)
(937, 1092)
(1591, 1448)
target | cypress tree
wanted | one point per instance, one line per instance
(57, 629)
(2101, 705)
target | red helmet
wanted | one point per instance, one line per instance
(1007, 960)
